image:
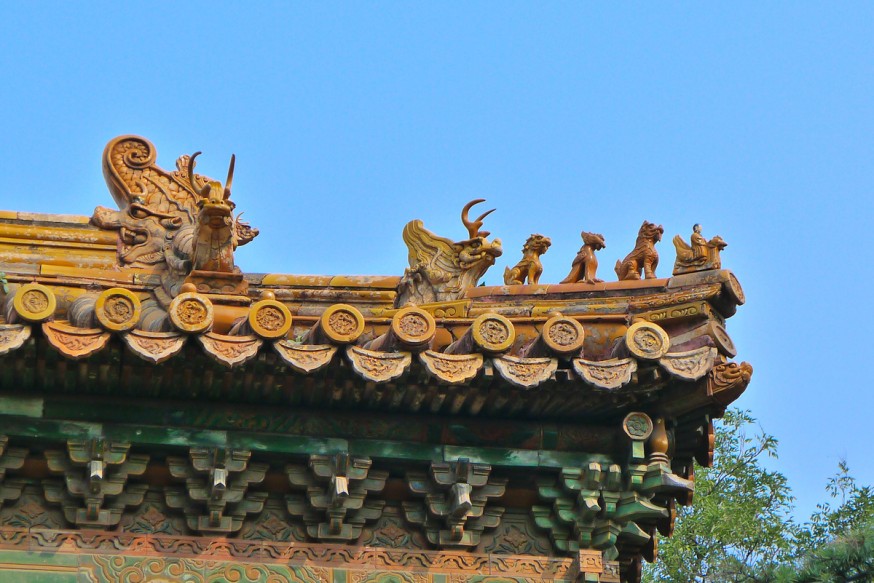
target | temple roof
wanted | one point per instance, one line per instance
(143, 310)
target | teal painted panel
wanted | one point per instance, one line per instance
(34, 575)
(395, 450)
(166, 436)
(23, 406)
(287, 443)
(31, 558)
(493, 456)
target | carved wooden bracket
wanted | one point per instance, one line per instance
(216, 497)
(11, 458)
(334, 503)
(455, 510)
(589, 508)
(95, 490)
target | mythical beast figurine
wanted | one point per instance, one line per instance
(177, 222)
(440, 269)
(644, 257)
(529, 267)
(585, 264)
(701, 255)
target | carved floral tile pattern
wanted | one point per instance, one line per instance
(516, 535)
(272, 525)
(152, 518)
(390, 531)
(31, 511)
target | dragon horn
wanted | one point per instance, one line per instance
(230, 177)
(191, 163)
(473, 226)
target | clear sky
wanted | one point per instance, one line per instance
(349, 119)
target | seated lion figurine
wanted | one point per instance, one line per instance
(529, 267)
(644, 257)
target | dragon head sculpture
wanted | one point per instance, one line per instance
(175, 221)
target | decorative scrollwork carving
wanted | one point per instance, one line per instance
(154, 347)
(74, 342)
(606, 374)
(379, 367)
(230, 350)
(453, 369)
(305, 358)
(12, 337)
(690, 365)
(525, 372)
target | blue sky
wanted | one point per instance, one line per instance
(348, 120)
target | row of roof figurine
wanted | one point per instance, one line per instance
(185, 222)
(441, 269)
(700, 255)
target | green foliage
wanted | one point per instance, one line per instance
(737, 529)
(855, 510)
(740, 530)
(849, 557)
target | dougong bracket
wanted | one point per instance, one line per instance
(335, 503)
(95, 490)
(217, 494)
(455, 510)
